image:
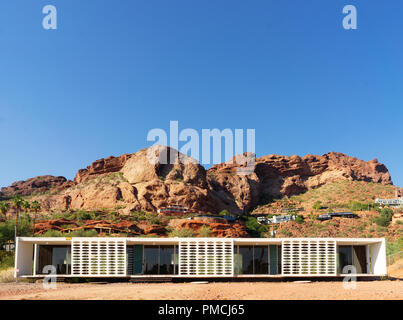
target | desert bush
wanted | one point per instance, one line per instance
(76, 233)
(224, 213)
(6, 260)
(7, 275)
(361, 206)
(82, 233)
(80, 215)
(299, 219)
(182, 233)
(285, 233)
(254, 227)
(153, 218)
(385, 216)
(138, 215)
(394, 247)
(317, 205)
(52, 233)
(205, 231)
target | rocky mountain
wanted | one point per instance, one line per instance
(275, 176)
(35, 185)
(133, 182)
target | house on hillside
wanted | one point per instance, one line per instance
(396, 203)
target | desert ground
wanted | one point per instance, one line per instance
(391, 289)
(373, 290)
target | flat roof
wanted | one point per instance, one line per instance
(144, 240)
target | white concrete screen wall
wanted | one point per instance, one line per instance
(97, 257)
(309, 257)
(212, 257)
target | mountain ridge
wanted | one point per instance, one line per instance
(130, 182)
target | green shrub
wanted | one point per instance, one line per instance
(317, 205)
(80, 215)
(52, 233)
(7, 229)
(385, 216)
(77, 233)
(182, 233)
(153, 218)
(6, 260)
(394, 247)
(299, 219)
(255, 228)
(360, 206)
(82, 233)
(138, 216)
(205, 231)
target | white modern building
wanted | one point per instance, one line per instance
(398, 202)
(198, 257)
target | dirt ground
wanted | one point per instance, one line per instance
(274, 290)
(374, 290)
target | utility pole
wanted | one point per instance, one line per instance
(16, 235)
(16, 225)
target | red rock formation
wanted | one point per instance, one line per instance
(36, 185)
(104, 226)
(276, 176)
(101, 166)
(56, 224)
(219, 227)
(155, 229)
(149, 185)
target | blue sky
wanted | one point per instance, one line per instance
(113, 70)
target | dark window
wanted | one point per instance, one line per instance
(345, 257)
(255, 259)
(167, 260)
(261, 259)
(352, 256)
(159, 260)
(246, 253)
(58, 256)
(151, 259)
(360, 259)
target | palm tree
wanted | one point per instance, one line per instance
(4, 207)
(35, 207)
(17, 203)
(25, 205)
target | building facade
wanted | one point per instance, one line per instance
(397, 203)
(198, 257)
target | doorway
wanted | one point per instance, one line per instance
(355, 256)
(57, 256)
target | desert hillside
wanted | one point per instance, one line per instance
(131, 183)
(121, 196)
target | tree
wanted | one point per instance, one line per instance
(17, 203)
(4, 207)
(35, 207)
(25, 205)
